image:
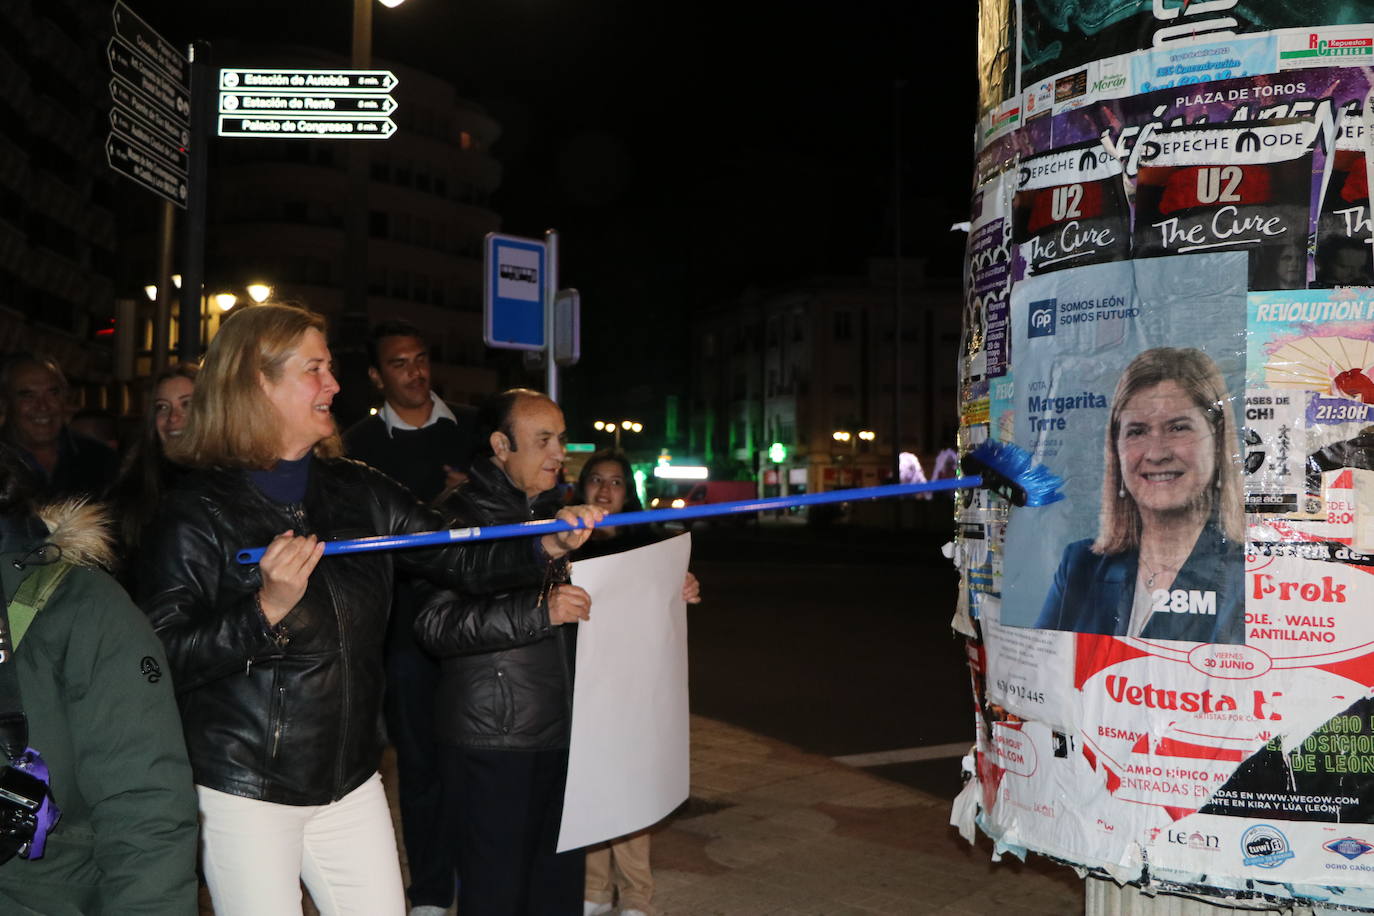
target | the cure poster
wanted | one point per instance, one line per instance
(1171, 266)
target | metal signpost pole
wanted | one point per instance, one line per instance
(354, 321)
(550, 293)
(193, 238)
(162, 320)
(149, 132)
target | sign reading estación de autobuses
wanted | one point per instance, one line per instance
(307, 104)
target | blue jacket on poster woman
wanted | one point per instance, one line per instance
(1094, 593)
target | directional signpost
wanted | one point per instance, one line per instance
(307, 104)
(155, 82)
(277, 103)
(150, 118)
(127, 127)
(146, 168)
(140, 36)
(306, 128)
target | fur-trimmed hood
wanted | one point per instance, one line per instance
(81, 529)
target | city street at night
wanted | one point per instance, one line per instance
(531, 458)
(835, 640)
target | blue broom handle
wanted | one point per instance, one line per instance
(553, 525)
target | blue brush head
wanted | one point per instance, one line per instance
(1011, 473)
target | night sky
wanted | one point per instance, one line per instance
(685, 153)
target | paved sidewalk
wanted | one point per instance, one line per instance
(772, 830)
(769, 829)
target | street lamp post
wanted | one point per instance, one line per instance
(354, 320)
(852, 438)
(610, 426)
(205, 327)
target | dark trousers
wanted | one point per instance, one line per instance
(510, 810)
(412, 678)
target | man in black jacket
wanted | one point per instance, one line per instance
(505, 697)
(60, 462)
(426, 445)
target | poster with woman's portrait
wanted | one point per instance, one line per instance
(1130, 384)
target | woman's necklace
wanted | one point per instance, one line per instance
(1150, 579)
(1154, 573)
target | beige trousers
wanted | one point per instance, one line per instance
(629, 857)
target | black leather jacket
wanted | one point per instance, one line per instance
(507, 673)
(291, 715)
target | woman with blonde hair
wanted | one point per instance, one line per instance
(278, 666)
(1168, 560)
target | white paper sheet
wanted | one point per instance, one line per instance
(628, 764)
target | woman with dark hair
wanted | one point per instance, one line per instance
(147, 471)
(620, 867)
(278, 666)
(1168, 560)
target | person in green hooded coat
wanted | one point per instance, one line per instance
(102, 714)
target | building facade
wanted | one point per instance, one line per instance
(59, 233)
(776, 376)
(278, 215)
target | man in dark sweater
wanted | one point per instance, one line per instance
(426, 445)
(415, 437)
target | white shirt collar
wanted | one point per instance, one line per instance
(440, 412)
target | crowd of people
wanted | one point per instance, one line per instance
(230, 719)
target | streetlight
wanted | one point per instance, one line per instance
(258, 292)
(151, 289)
(350, 350)
(844, 435)
(611, 426)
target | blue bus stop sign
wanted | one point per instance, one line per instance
(513, 292)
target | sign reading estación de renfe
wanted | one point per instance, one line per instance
(307, 104)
